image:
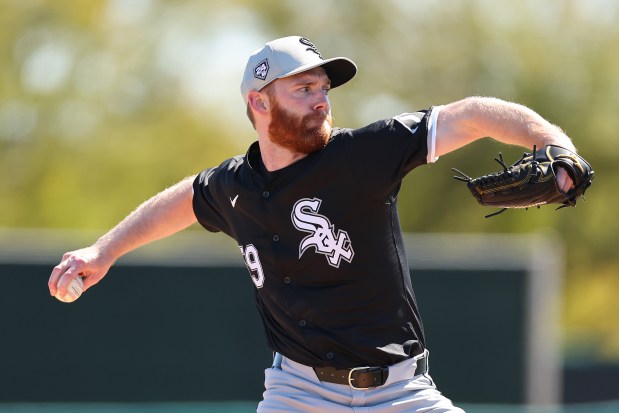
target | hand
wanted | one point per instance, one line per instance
(564, 181)
(88, 263)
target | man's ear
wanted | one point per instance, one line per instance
(259, 102)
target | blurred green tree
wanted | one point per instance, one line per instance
(103, 103)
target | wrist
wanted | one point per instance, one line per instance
(106, 249)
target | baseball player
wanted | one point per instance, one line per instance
(313, 209)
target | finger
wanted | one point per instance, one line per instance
(65, 279)
(564, 181)
(71, 271)
(57, 272)
(63, 282)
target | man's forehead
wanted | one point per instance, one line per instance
(310, 75)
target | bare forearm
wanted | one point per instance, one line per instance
(164, 214)
(465, 121)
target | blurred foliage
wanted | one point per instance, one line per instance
(105, 102)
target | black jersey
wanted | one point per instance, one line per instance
(322, 241)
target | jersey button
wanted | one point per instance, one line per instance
(302, 323)
(275, 237)
(266, 194)
(287, 280)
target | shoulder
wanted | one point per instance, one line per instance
(223, 171)
(233, 164)
(407, 122)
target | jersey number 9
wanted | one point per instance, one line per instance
(252, 261)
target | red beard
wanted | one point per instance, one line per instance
(305, 134)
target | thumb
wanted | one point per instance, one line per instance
(90, 280)
(93, 277)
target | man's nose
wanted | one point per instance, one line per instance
(322, 102)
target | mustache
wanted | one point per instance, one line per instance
(318, 116)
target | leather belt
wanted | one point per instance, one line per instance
(363, 378)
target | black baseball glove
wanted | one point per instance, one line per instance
(531, 181)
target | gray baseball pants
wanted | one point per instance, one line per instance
(293, 387)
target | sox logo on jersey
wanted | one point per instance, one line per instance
(305, 217)
(324, 239)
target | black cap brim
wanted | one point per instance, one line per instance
(340, 70)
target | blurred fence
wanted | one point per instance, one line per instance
(501, 310)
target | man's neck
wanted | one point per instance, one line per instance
(276, 157)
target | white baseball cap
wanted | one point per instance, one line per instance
(288, 56)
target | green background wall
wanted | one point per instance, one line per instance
(172, 333)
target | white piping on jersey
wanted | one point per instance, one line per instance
(402, 117)
(432, 135)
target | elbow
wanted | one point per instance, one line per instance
(467, 120)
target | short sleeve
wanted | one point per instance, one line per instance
(204, 203)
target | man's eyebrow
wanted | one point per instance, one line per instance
(312, 80)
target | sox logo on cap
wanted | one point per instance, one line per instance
(310, 46)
